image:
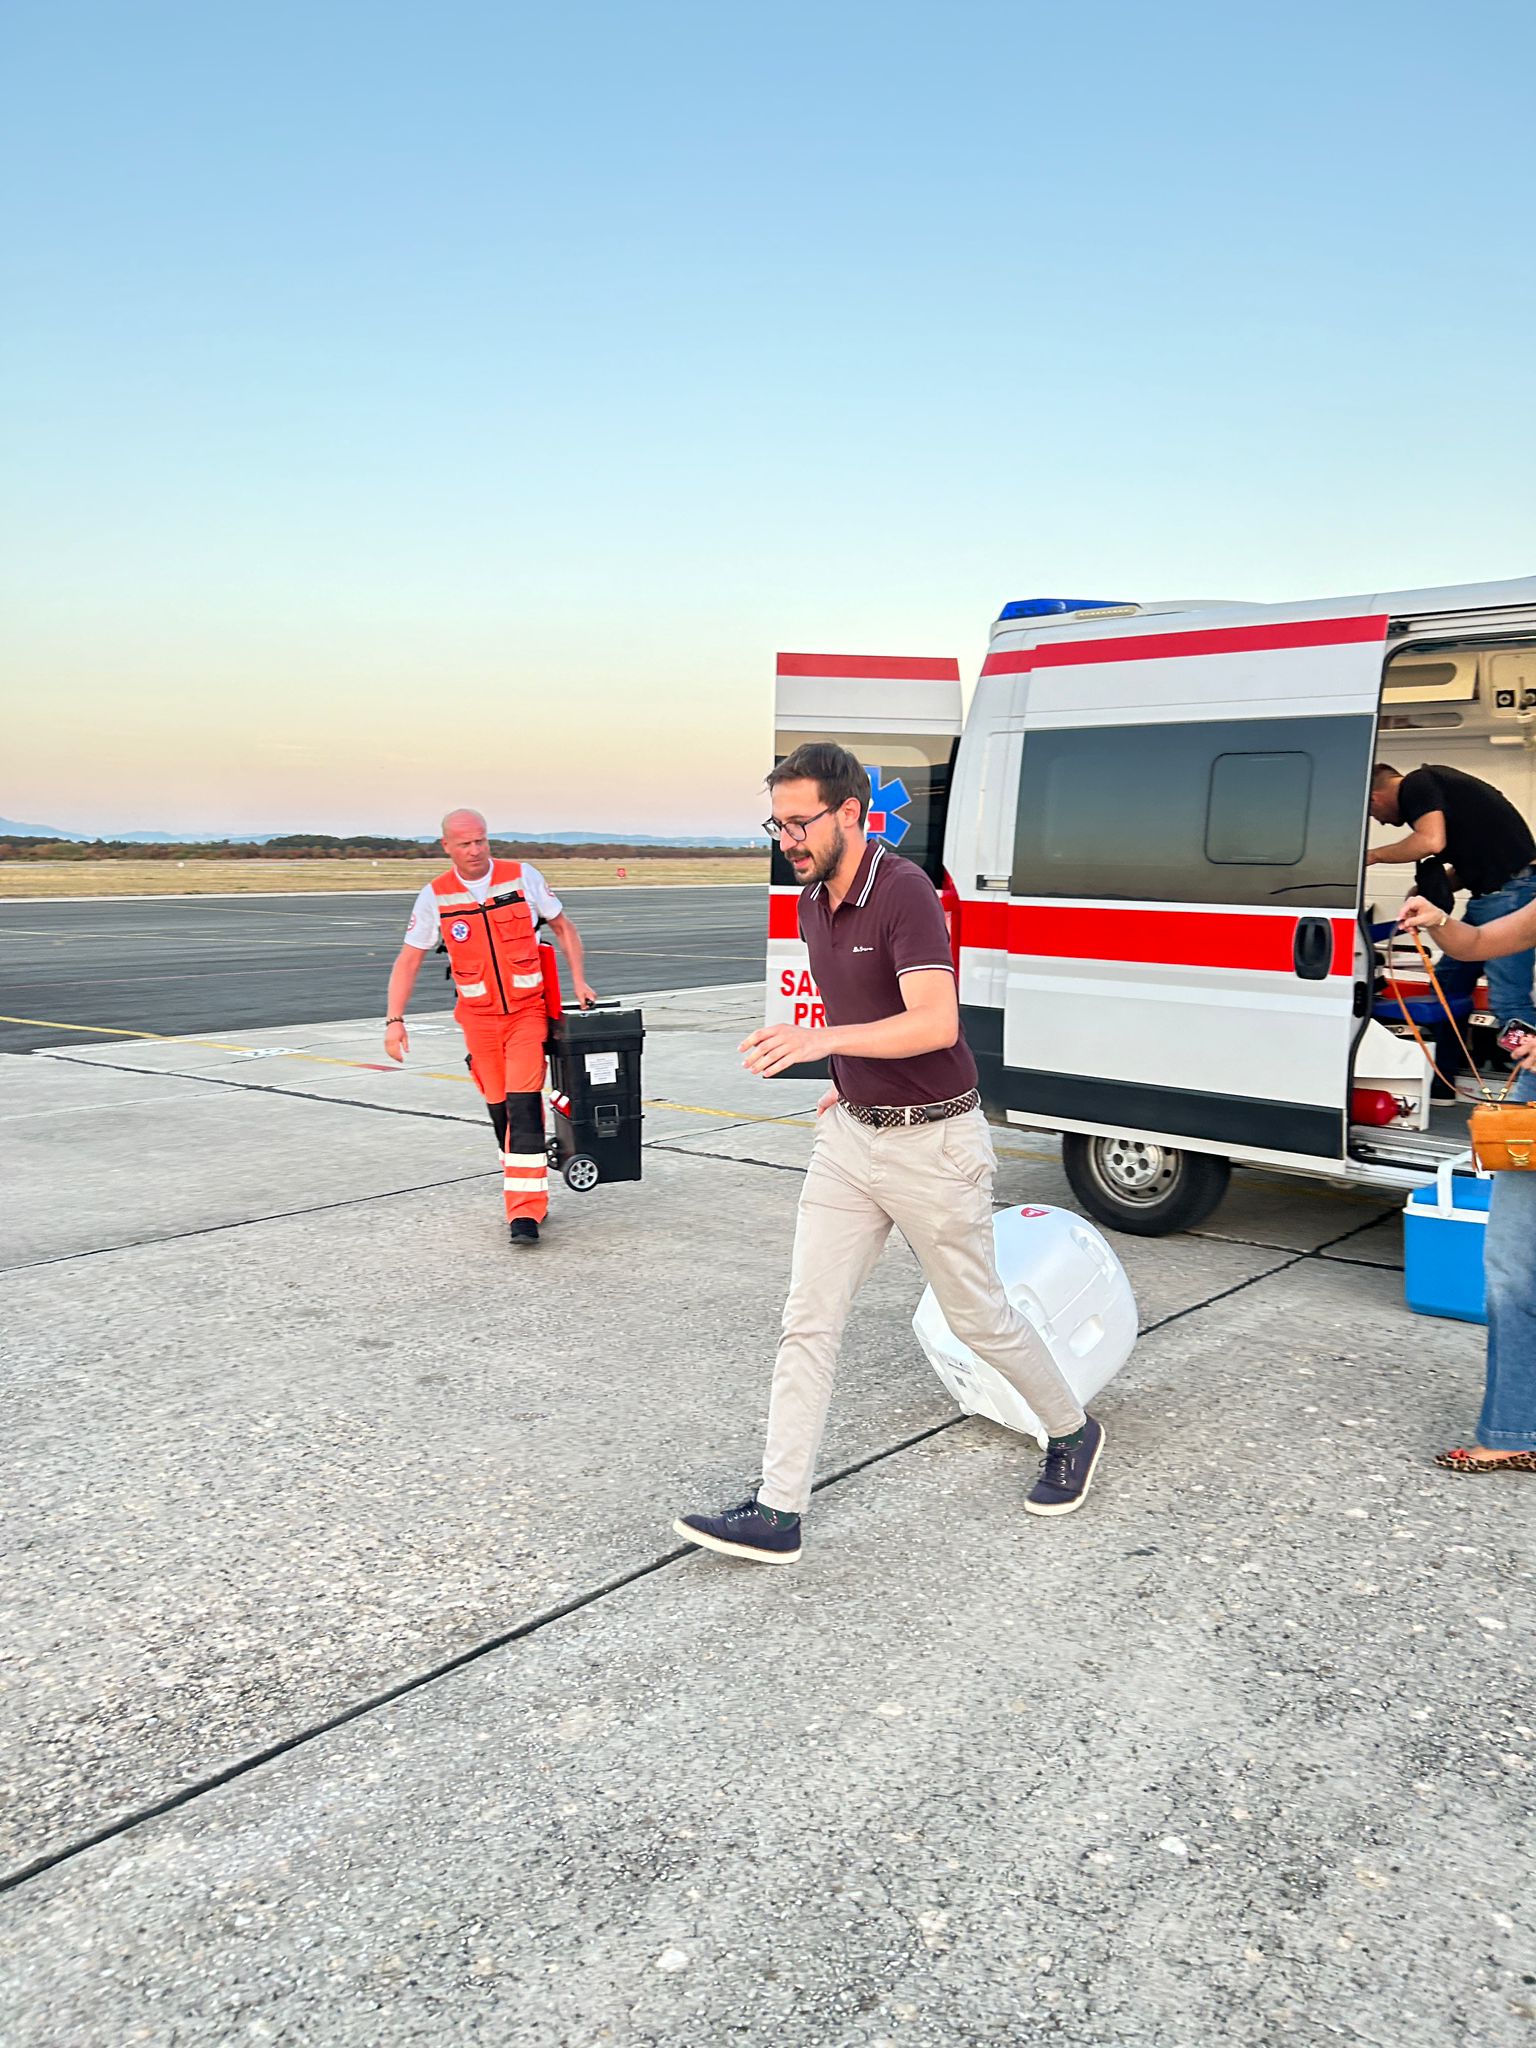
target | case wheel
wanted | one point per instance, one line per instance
(581, 1173)
(1148, 1190)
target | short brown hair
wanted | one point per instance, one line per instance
(836, 773)
(1380, 773)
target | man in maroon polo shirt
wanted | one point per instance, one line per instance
(900, 1139)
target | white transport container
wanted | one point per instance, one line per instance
(1067, 1283)
(1148, 828)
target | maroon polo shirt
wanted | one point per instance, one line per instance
(889, 924)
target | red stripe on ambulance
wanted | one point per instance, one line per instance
(1174, 646)
(1247, 941)
(876, 667)
(784, 914)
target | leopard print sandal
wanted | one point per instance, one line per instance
(1465, 1461)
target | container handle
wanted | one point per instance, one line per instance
(1444, 1197)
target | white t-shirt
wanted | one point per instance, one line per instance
(425, 925)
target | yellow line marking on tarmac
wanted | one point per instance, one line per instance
(116, 1031)
(463, 1080)
(735, 1116)
(807, 1123)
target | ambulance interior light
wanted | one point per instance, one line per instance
(1051, 607)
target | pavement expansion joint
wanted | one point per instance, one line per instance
(243, 1767)
(1302, 1258)
(133, 1244)
(441, 1116)
(256, 1760)
(724, 1158)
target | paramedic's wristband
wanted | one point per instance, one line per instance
(392, 1020)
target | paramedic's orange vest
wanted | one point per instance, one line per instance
(497, 961)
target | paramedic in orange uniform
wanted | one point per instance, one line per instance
(487, 913)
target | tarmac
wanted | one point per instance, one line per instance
(199, 964)
(355, 1688)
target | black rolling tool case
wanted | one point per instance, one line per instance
(594, 1062)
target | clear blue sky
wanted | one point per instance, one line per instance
(462, 403)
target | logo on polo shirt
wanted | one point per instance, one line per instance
(863, 949)
(886, 799)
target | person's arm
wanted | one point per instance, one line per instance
(402, 979)
(929, 1021)
(1427, 836)
(1462, 941)
(570, 945)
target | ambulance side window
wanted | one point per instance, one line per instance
(1256, 811)
(1232, 811)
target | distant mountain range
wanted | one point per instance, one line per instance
(10, 828)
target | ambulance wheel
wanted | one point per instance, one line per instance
(581, 1173)
(1146, 1189)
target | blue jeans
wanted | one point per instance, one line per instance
(1509, 979)
(1508, 1420)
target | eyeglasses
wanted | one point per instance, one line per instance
(794, 829)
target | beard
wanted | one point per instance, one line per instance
(821, 865)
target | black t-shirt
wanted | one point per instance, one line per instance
(1486, 839)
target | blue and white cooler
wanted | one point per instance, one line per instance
(1444, 1229)
(1061, 1275)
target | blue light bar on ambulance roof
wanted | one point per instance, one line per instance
(1046, 607)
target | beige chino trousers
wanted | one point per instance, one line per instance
(934, 1183)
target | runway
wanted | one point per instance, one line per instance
(204, 964)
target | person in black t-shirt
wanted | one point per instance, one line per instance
(1484, 843)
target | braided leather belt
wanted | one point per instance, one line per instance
(890, 1119)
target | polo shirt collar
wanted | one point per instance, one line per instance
(863, 879)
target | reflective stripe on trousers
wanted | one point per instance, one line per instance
(507, 1061)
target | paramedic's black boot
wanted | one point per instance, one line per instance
(761, 1535)
(523, 1230)
(1066, 1473)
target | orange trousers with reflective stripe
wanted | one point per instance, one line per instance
(506, 1059)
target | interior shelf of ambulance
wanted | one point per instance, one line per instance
(1470, 704)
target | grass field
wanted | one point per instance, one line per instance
(36, 878)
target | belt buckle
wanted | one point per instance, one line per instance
(935, 1112)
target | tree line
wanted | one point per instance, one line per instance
(362, 846)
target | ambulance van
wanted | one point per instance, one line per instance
(1148, 829)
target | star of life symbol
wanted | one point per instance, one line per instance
(885, 800)
(458, 929)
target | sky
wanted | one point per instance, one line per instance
(409, 406)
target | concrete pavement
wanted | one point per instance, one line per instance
(1243, 1752)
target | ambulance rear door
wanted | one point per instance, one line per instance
(1185, 888)
(901, 715)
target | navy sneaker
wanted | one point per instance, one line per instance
(765, 1535)
(523, 1230)
(1066, 1472)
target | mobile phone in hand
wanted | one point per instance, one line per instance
(1517, 1036)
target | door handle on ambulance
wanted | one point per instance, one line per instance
(998, 883)
(1312, 948)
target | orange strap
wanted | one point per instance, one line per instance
(1484, 1095)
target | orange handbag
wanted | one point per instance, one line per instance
(1502, 1133)
(1503, 1136)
